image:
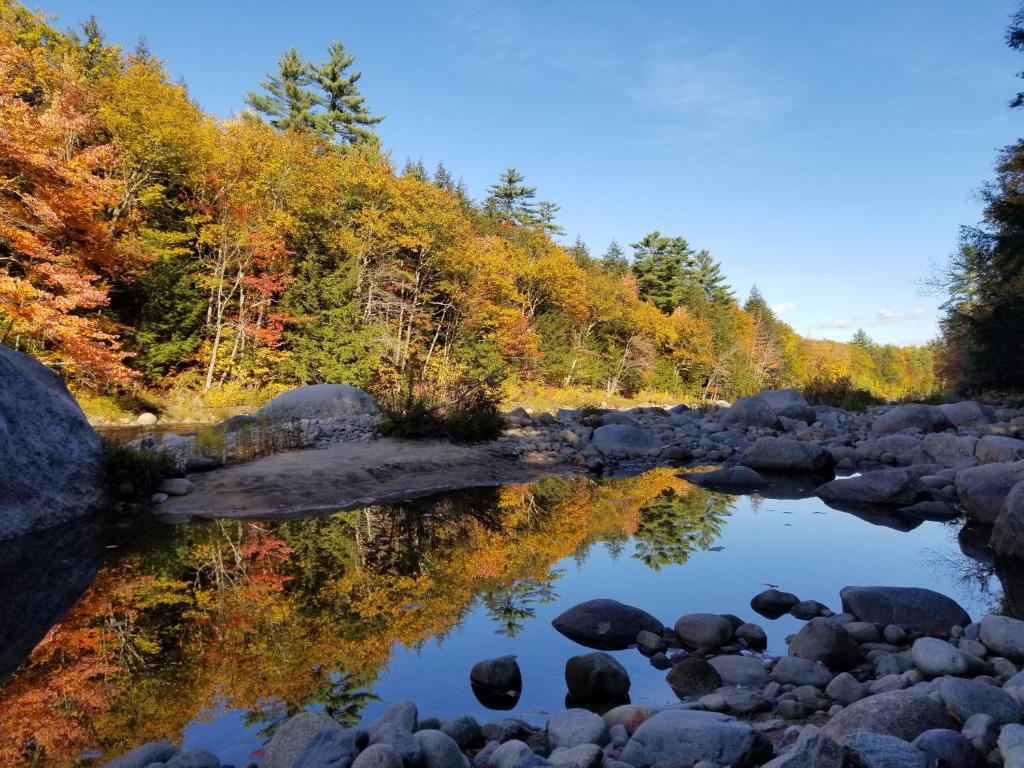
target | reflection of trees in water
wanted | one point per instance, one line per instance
(510, 606)
(673, 526)
(972, 568)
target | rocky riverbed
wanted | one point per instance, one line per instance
(900, 678)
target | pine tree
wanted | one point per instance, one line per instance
(862, 340)
(580, 253)
(288, 102)
(614, 261)
(510, 199)
(416, 170)
(661, 265)
(345, 117)
(707, 273)
(443, 179)
(545, 216)
(757, 306)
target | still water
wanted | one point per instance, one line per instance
(213, 632)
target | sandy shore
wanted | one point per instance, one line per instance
(346, 475)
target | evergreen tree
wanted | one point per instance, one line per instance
(862, 340)
(443, 179)
(580, 253)
(614, 261)
(510, 199)
(288, 102)
(416, 170)
(545, 216)
(345, 117)
(707, 273)
(757, 306)
(661, 265)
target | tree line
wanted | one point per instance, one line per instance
(146, 243)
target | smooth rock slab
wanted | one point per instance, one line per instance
(687, 736)
(904, 714)
(606, 625)
(796, 671)
(318, 401)
(914, 607)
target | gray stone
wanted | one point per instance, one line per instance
(332, 748)
(689, 736)
(883, 487)
(622, 441)
(935, 658)
(947, 748)
(514, 754)
(907, 606)
(50, 458)
(581, 756)
(752, 636)
(318, 401)
(704, 630)
(194, 758)
(983, 490)
(743, 701)
(1011, 745)
(827, 642)
(846, 689)
(740, 670)
(175, 486)
(378, 756)
(904, 714)
(964, 698)
(982, 731)
(778, 454)
(751, 412)
(650, 643)
(894, 634)
(727, 478)
(693, 677)
(1007, 537)
(140, 757)
(574, 727)
(998, 449)
(875, 750)
(968, 413)
(465, 731)
(291, 738)
(792, 670)
(440, 750)
(596, 677)
(927, 418)
(812, 749)
(607, 625)
(395, 727)
(951, 450)
(1003, 635)
(146, 419)
(497, 677)
(772, 603)
(862, 631)
(809, 609)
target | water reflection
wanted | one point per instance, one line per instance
(237, 624)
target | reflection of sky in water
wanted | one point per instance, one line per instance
(800, 546)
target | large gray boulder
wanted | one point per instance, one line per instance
(914, 607)
(1003, 635)
(607, 625)
(999, 449)
(969, 414)
(50, 458)
(140, 757)
(903, 714)
(595, 678)
(983, 490)
(625, 442)
(751, 411)
(318, 401)
(779, 454)
(687, 736)
(883, 487)
(876, 750)
(927, 418)
(964, 698)
(951, 450)
(825, 641)
(295, 734)
(1007, 537)
(935, 658)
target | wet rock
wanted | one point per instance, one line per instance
(650, 643)
(595, 678)
(772, 603)
(1003, 636)
(574, 727)
(983, 490)
(906, 606)
(792, 670)
(904, 714)
(683, 736)
(622, 441)
(846, 689)
(440, 750)
(875, 750)
(778, 454)
(936, 658)
(378, 756)
(927, 418)
(606, 625)
(704, 630)
(693, 677)
(740, 670)
(947, 749)
(885, 487)
(964, 698)
(497, 683)
(827, 642)
(140, 757)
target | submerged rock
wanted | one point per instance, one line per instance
(772, 603)
(497, 683)
(596, 678)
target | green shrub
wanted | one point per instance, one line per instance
(463, 410)
(839, 393)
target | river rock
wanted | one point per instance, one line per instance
(793, 670)
(927, 418)
(947, 748)
(1003, 636)
(378, 756)
(685, 737)
(752, 636)
(693, 677)
(1007, 537)
(140, 757)
(806, 610)
(50, 458)
(574, 727)
(193, 758)
(318, 401)
(825, 641)
(876, 750)
(983, 490)
(887, 487)
(581, 756)
(146, 419)
(753, 411)
(727, 478)
(951, 450)
(514, 754)
(969, 414)
(904, 714)
(175, 486)
(915, 607)
(704, 630)
(845, 689)
(1011, 745)
(440, 750)
(596, 678)
(333, 748)
(395, 728)
(740, 670)
(780, 454)
(812, 749)
(935, 658)
(964, 698)
(497, 682)
(291, 738)
(996, 448)
(606, 625)
(465, 731)
(625, 442)
(772, 603)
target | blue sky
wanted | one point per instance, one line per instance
(827, 152)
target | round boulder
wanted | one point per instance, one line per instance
(596, 678)
(704, 630)
(825, 641)
(606, 625)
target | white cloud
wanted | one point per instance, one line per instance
(888, 316)
(783, 308)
